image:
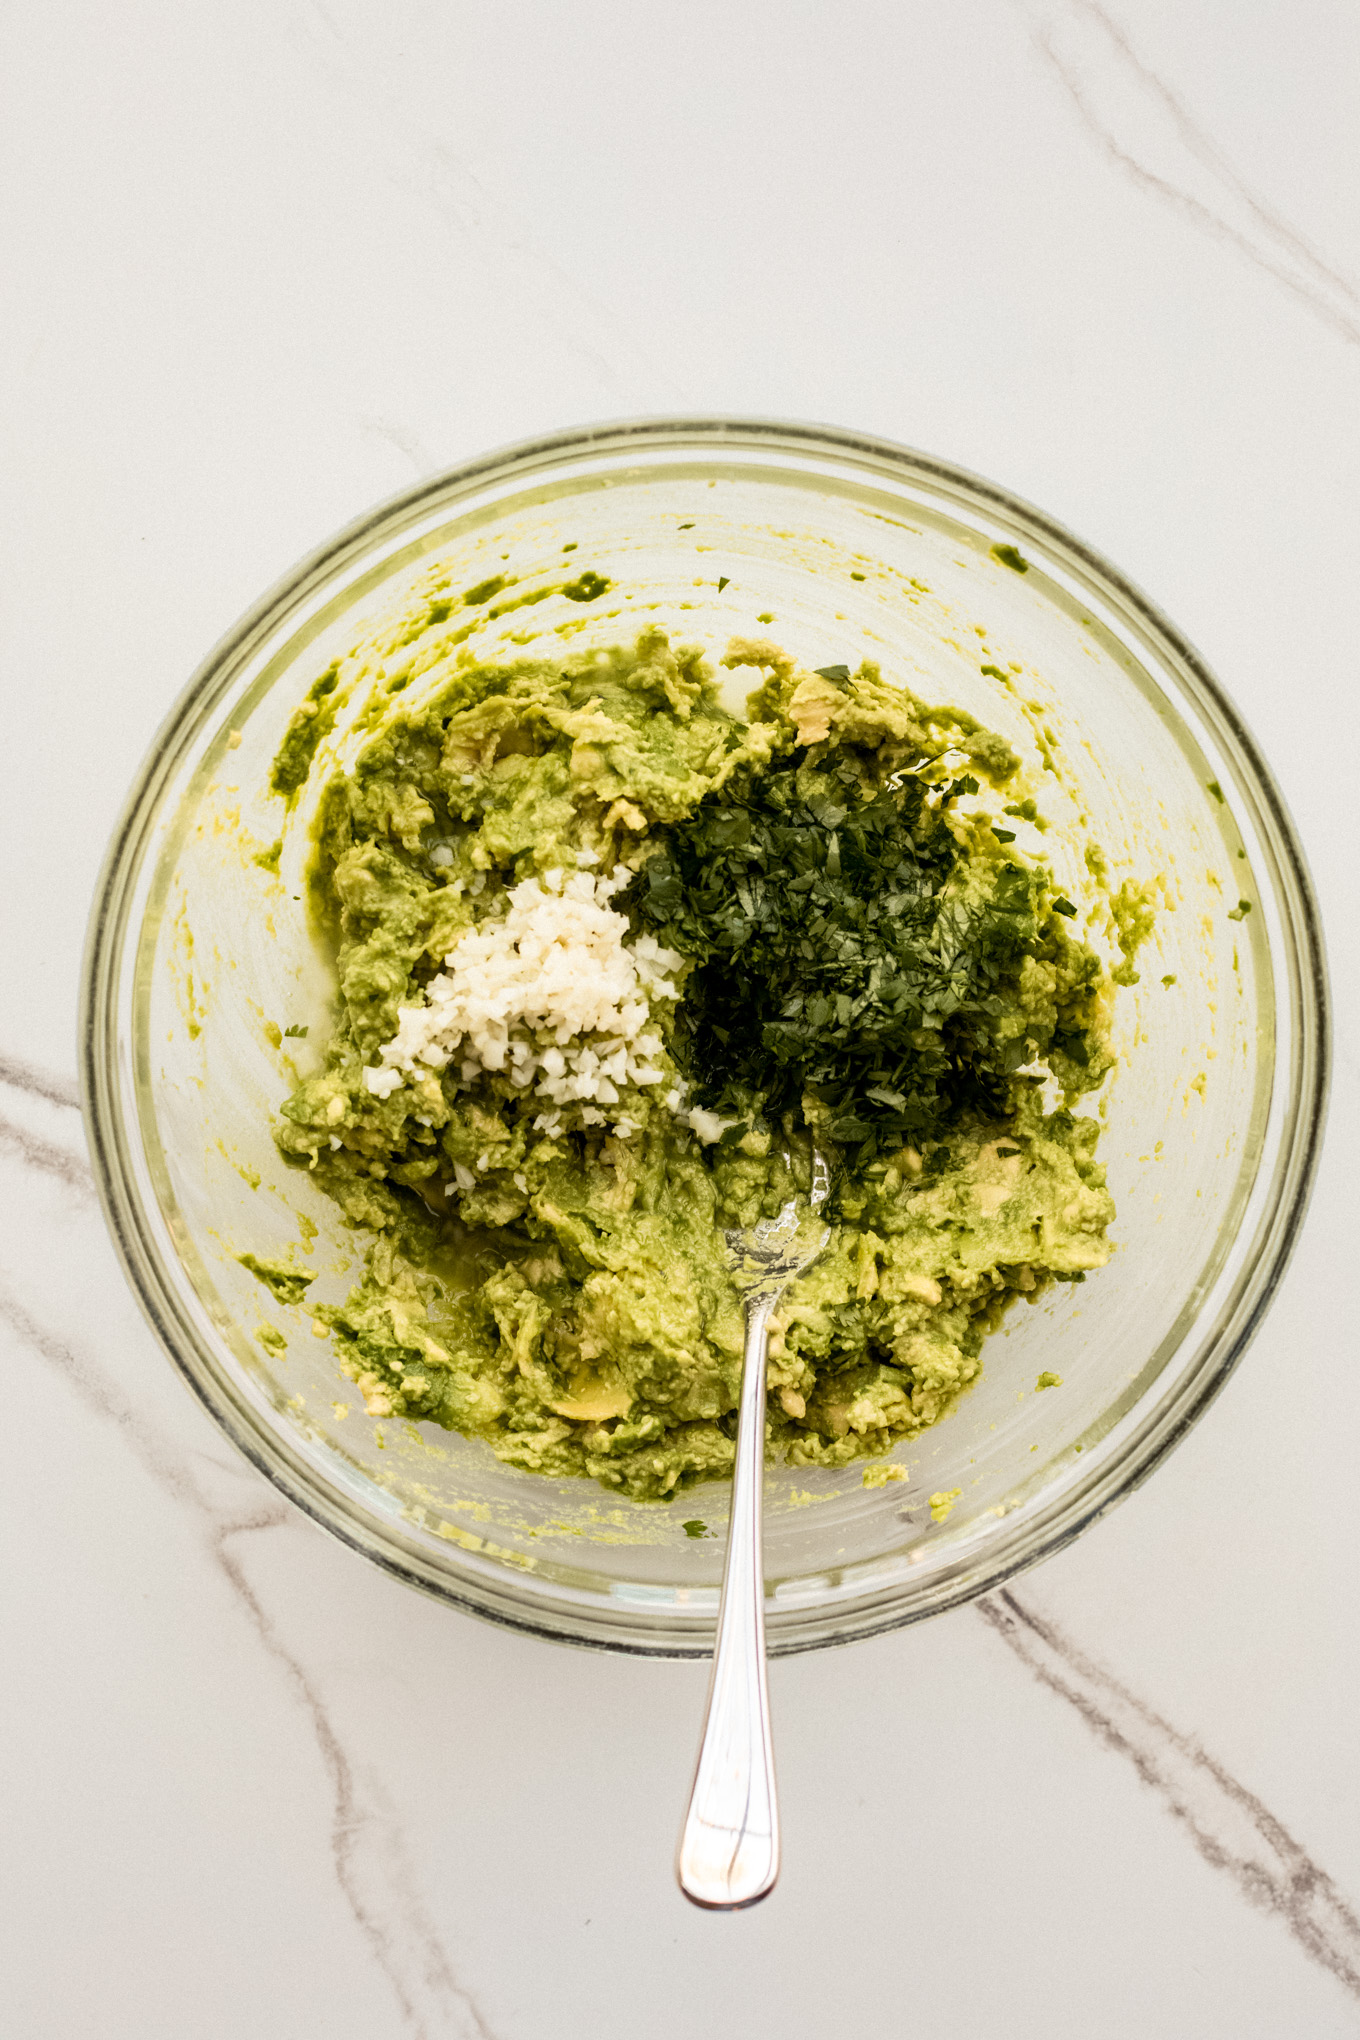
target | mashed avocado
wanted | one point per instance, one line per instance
(608, 958)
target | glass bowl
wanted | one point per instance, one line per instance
(838, 547)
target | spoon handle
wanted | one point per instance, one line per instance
(729, 1846)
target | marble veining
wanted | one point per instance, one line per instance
(46, 1084)
(406, 443)
(1231, 1828)
(367, 1849)
(29, 1147)
(1148, 132)
(40, 1125)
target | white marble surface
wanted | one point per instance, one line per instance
(265, 263)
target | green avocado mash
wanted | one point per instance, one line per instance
(807, 925)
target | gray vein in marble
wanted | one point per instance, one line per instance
(32, 1151)
(366, 1848)
(1229, 1826)
(404, 441)
(47, 1084)
(366, 1844)
(38, 1128)
(1149, 133)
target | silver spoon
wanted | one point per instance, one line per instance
(729, 1846)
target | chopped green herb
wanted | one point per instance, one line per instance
(1010, 557)
(856, 577)
(484, 591)
(685, 527)
(1240, 911)
(1073, 1045)
(297, 1033)
(1169, 980)
(837, 966)
(723, 580)
(1062, 906)
(832, 672)
(995, 673)
(694, 1528)
(1003, 835)
(1216, 790)
(587, 587)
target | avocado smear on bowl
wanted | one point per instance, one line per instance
(608, 959)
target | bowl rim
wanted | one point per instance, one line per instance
(512, 1601)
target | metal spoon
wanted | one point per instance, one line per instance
(729, 1846)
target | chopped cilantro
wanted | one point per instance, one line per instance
(1072, 1044)
(1003, 835)
(1009, 556)
(685, 527)
(1062, 906)
(484, 591)
(723, 580)
(694, 1528)
(297, 1033)
(1216, 790)
(1240, 911)
(838, 968)
(832, 672)
(587, 587)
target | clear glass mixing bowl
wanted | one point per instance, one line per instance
(838, 547)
